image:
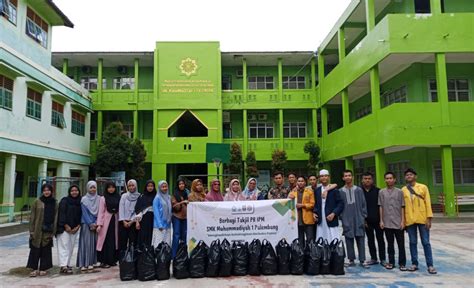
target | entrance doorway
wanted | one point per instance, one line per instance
(189, 171)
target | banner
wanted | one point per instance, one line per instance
(242, 221)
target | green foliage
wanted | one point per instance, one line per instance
(235, 163)
(251, 170)
(313, 161)
(279, 161)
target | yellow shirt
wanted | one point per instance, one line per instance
(417, 209)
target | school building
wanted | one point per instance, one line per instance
(390, 87)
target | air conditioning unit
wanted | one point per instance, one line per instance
(262, 117)
(86, 69)
(239, 73)
(226, 116)
(122, 70)
(252, 117)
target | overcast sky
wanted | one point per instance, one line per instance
(241, 25)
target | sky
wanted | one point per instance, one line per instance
(243, 25)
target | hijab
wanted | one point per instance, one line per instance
(196, 195)
(165, 200)
(49, 207)
(73, 201)
(91, 201)
(251, 194)
(212, 195)
(146, 199)
(112, 200)
(181, 195)
(234, 196)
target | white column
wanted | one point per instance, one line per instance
(43, 168)
(61, 187)
(9, 186)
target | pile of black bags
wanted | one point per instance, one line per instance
(323, 258)
(145, 263)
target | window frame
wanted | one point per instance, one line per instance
(290, 125)
(286, 81)
(12, 14)
(227, 77)
(57, 115)
(438, 169)
(118, 83)
(78, 123)
(86, 82)
(390, 97)
(33, 104)
(399, 171)
(456, 90)
(36, 28)
(266, 126)
(4, 89)
(254, 85)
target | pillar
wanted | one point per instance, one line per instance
(219, 126)
(280, 79)
(100, 65)
(324, 121)
(155, 78)
(65, 66)
(100, 126)
(313, 74)
(9, 177)
(245, 134)
(314, 119)
(442, 86)
(135, 76)
(448, 180)
(380, 167)
(43, 168)
(158, 171)
(280, 129)
(244, 78)
(345, 108)
(135, 124)
(435, 6)
(341, 43)
(60, 189)
(349, 163)
(370, 14)
(375, 89)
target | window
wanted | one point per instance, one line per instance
(90, 83)
(124, 83)
(78, 123)
(226, 82)
(362, 112)
(227, 130)
(458, 90)
(360, 170)
(8, 10)
(128, 130)
(294, 82)
(463, 171)
(398, 168)
(394, 96)
(33, 104)
(36, 28)
(294, 130)
(261, 82)
(423, 6)
(57, 115)
(6, 91)
(261, 130)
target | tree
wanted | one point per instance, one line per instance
(279, 159)
(117, 152)
(235, 162)
(313, 161)
(251, 170)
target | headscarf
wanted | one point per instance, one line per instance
(181, 195)
(91, 201)
(73, 201)
(165, 201)
(146, 199)
(49, 208)
(251, 194)
(111, 200)
(196, 195)
(234, 196)
(212, 195)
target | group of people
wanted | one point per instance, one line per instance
(110, 223)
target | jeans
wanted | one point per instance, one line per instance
(179, 233)
(399, 235)
(307, 230)
(369, 231)
(360, 240)
(425, 241)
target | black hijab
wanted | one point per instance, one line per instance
(181, 195)
(146, 199)
(49, 208)
(112, 200)
(73, 201)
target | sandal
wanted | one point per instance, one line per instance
(105, 266)
(432, 270)
(34, 273)
(388, 266)
(90, 269)
(43, 273)
(413, 268)
(69, 270)
(83, 269)
(63, 270)
(403, 268)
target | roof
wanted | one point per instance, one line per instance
(53, 15)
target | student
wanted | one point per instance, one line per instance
(328, 208)
(43, 223)
(313, 183)
(215, 193)
(127, 229)
(144, 212)
(418, 216)
(305, 206)
(235, 191)
(107, 226)
(69, 222)
(197, 191)
(291, 181)
(392, 220)
(179, 203)
(251, 191)
(353, 219)
(162, 215)
(371, 193)
(87, 253)
(279, 191)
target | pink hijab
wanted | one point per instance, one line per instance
(212, 195)
(234, 196)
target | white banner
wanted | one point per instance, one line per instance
(242, 221)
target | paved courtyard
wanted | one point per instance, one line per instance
(453, 249)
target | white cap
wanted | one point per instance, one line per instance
(324, 172)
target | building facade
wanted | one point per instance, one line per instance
(44, 115)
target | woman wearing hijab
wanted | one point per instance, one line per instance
(162, 215)
(251, 191)
(127, 229)
(235, 192)
(87, 253)
(107, 226)
(197, 191)
(144, 212)
(215, 193)
(43, 223)
(69, 222)
(179, 203)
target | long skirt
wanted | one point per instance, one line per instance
(87, 253)
(127, 236)
(145, 234)
(109, 253)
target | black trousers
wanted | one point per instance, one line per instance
(127, 236)
(307, 230)
(370, 230)
(398, 234)
(41, 257)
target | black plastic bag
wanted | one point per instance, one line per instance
(326, 259)
(283, 251)
(163, 261)
(181, 262)
(127, 264)
(198, 260)
(268, 262)
(314, 252)
(240, 257)
(146, 262)
(297, 258)
(213, 258)
(337, 257)
(255, 251)
(225, 267)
